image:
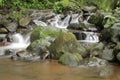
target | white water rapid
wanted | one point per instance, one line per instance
(19, 42)
(91, 37)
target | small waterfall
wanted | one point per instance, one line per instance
(57, 22)
(19, 42)
(90, 37)
(75, 18)
(65, 22)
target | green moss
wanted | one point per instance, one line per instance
(35, 34)
(70, 59)
(38, 46)
(65, 42)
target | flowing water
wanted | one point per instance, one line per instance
(19, 42)
(50, 70)
(17, 70)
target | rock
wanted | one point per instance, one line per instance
(97, 62)
(3, 30)
(112, 33)
(70, 59)
(39, 23)
(44, 32)
(12, 27)
(42, 14)
(115, 32)
(118, 56)
(74, 18)
(106, 35)
(117, 47)
(97, 49)
(117, 50)
(35, 34)
(107, 54)
(76, 26)
(90, 9)
(97, 19)
(24, 21)
(65, 42)
(38, 46)
(82, 26)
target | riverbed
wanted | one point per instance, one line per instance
(50, 70)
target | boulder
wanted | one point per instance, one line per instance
(12, 27)
(106, 35)
(70, 59)
(90, 9)
(115, 33)
(96, 49)
(44, 32)
(118, 56)
(107, 54)
(112, 33)
(3, 30)
(24, 21)
(65, 42)
(82, 26)
(97, 19)
(38, 46)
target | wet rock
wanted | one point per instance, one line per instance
(105, 71)
(118, 56)
(107, 54)
(70, 59)
(39, 47)
(65, 42)
(112, 34)
(97, 19)
(41, 14)
(44, 32)
(115, 33)
(97, 49)
(3, 30)
(24, 21)
(106, 35)
(75, 18)
(35, 34)
(39, 23)
(90, 9)
(82, 26)
(97, 62)
(12, 27)
(76, 26)
(117, 50)
(9, 37)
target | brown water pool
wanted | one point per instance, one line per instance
(17, 70)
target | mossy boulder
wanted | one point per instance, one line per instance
(43, 32)
(38, 47)
(35, 34)
(115, 33)
(107, 54)
(97, 19)
(65, 42)
(106, 34)
(117, 51)
(70, 59)
(118, 56)
(97, 49)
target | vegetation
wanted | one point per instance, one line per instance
(60, 5)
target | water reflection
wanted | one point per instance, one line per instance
(16, 70)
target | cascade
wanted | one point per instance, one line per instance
(19, 42)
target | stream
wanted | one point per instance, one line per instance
(49, 70)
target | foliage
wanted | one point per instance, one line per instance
(60, 5)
